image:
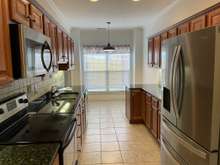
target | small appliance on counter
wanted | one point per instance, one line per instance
(191, 99)
(17, 126)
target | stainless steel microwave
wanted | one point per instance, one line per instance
(31, 52)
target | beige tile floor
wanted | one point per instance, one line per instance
(110, 139)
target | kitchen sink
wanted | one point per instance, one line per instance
(67, 96)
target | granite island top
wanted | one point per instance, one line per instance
(153, 89)
(28, 154)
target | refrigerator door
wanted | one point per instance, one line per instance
(168, 53)
(193, 88)
(190, 152)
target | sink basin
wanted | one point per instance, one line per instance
(67, 96)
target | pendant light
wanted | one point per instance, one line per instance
(109, 48)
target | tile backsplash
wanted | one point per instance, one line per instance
(34, 87)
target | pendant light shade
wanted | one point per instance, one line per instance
(108, 48)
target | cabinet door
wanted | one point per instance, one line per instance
(47, 27)
(164, 36)
(143, 108)
(150, 51)
(128, 103)
(19, 11)
(158, 130)
(36, 19)
(73, 57)
(157, 48)
(136, 106)
(148, 110)
(172, 33)
(53, 35)
(5, 54)
(59, 44)
(214, 17)
(65, 46)
(69, 51)
(154, 122)
(184, 28)
(198, 23)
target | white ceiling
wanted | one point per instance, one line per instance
(122, 13)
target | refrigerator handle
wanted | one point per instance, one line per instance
(185, 142)
(172, 79)
(176, 61)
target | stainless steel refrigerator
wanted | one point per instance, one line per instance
(191, 99)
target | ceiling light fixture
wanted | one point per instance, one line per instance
(93, 0)
(108, 48)
(136, 0)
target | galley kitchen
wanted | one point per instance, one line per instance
(117, 82)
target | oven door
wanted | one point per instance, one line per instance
(70, 155)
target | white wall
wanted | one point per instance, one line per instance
(132, 37)
(171, 15)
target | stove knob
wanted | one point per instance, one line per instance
(1, 111)
(23, 101)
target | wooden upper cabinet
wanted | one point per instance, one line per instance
(19, 11)
(5, 54)
(198, 23)
(65, 46)
(36, 19)
(150, 51)
(73, 55)
(59, 44)
(47, 26)
(184, 28)
(157, 50)
(163, 36)
(53, 35)
(172, 33)
(214, 17)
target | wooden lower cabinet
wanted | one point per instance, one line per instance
(136, 106)
(154, 125)
(142, 107)
(158, 125)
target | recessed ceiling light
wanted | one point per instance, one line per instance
(136, 0)
(93, 0)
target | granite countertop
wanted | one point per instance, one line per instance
(153, 89)
(30, 154)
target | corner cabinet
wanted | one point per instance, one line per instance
(5, 54)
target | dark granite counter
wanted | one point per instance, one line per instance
(153, 89)
(31, 154)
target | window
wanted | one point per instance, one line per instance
(106, 71)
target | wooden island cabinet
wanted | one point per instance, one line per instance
(143, 108)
